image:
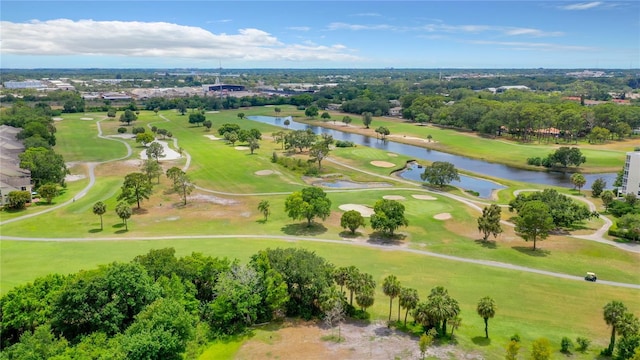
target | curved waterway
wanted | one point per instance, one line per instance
(476, 166)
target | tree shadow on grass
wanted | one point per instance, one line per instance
(349, 235)
(118, 226)
(302, 229)
(380, 238)
(140, 211)
(481, 341)
(486, 244)
(122, 231)
(529, 251)
(93, 231)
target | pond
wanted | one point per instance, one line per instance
(476, 166)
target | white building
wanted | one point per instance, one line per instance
(631, 178)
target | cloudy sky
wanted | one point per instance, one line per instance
(320, 34)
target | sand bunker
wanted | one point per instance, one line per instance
(423, 197)
(73, 177)
(122, 136)
(169, 153)
(442, 216)
(241, 148)
(57, 119)
(392, 154)
(264, 172)
(213, 112)
(394, 197)
(212, 137)
(365, 211)
(384, 164)
(86, 118)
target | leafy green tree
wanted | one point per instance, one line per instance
(564, 210)
(48, 192)
(486, 309)
(265, 208)
(124, 213)
(237, 301)
(391, 287)
(318, 152)
(94, 301)
(45, 165)
(241, 115)
(308, 204)
(155, 151)
(424, 343)
(513, 348)
(158, 262)
(541, 349)
(311, 111)
(347, 120)
(299, 139)
(253, 145)
(334, 311)
(598, 186)
(207, 124)
(144, 138)
(388, 216)
(277, 110)
(286, 123)
(440, 173)
(17, 200)
(135, 188)
(231, 137)
(352, 220)
(274, 291)
(578, 180)
(174, 173)
(41, 344)
(196, 118)
(325, 116)
(566, 156)
(383, 132)
(151, 169)
(111, 113)
(628, 348)
(99, 209)
(489, 222)
(613, 313)
(128, 117)
(534, 221)
(183, 186)
(367, 118)
(441, 307)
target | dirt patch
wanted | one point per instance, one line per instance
(212, 137)
(442, 216)
(303, 340)
(384, 164)
(212, 199)
(86, 118)
(264, 172)
(364, 210)
(423, 197)
(241, 148)
(394, 197)
(74, 177)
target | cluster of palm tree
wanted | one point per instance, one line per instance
(359, 284)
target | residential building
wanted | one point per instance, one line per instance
(12, 177)
(631, 177)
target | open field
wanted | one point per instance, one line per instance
(231, 184)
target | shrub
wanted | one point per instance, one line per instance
(515, 337)
(138, 130)
(344, 144)
(566, 345)
(122, 130)
(583, 344)
(274, 157)
(536, 161)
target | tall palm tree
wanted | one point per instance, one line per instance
(486, 309)
(391, 288)
(100, 208)
(613, 312)
(408, 299)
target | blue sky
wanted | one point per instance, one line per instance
(320, 34)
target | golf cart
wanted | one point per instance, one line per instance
(591, 277)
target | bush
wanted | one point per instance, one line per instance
(274, 157)
(583, 344)
(566, 345)
(122, 130)
(536, 161)
(344, 144)
(515, 337)
(138, 130)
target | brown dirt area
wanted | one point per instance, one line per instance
(303, 340)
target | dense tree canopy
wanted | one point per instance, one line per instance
(440, 173)
(308, 204)
(388, 216)
(45, 165)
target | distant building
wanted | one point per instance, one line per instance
(395, 111)
(223, 87)
(27, 84)
(511, 87)
(631, 177)
(12, 177)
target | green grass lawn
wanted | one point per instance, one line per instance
(77, 139)
(529, 304)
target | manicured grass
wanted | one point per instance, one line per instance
(529, 304)
(77, 139)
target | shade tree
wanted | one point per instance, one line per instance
(136, 187)
(440, 173)
(309, 203)
(352, 220)
(534, 221)
(155, 151)
(388, 216)
(489, 221)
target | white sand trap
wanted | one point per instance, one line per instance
(383, 164)
(423, 197)
(213, 112)
(394, 197)
(57, 119)
(365, 211)
(73, 177)
(86, 118)
(264, 172)
(442, 216)
(212, 137)
(169, 153)
(241, 148)
(392, 154)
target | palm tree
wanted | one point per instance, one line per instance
(408, 299)
(442, 307)
(352, 283)
(340, 276)
(613, 312)
(100, 208)
(486, 309)
(391, 288)
(264, 208)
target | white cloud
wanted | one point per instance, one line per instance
(582, 6)
(530, 32)
(449, 29)
(299, 28)
(154, 39)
